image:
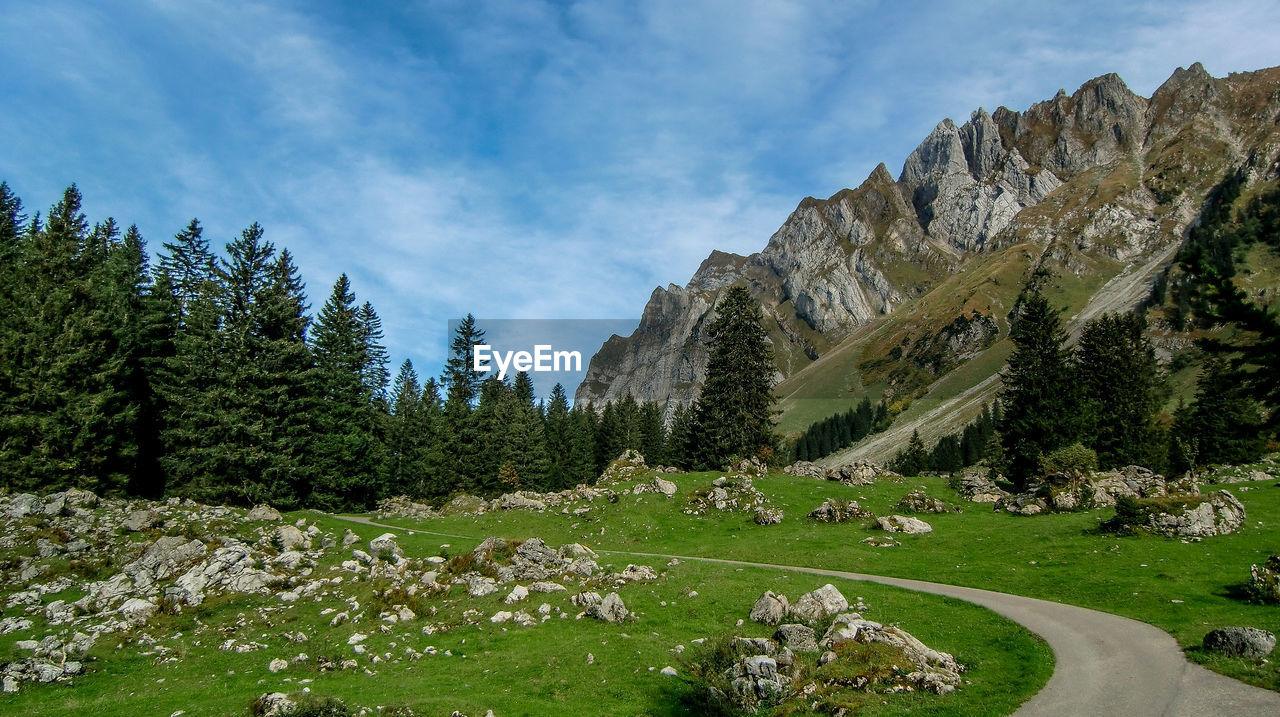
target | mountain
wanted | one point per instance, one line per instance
(902, 288)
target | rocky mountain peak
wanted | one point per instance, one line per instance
(1125, 175)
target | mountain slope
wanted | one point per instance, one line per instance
(902, 288)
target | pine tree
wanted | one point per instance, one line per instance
(558, 426)
(374, 375)
(733, 415)
(407, 436)
(1117, 373)
(581, 466)
(189, 263)
(913, 459)
(461, 380)
(679, 452)
(1041, 409)
(1223, 424)
(346, 452)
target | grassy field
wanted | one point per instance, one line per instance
(563, 664)
(1184, 588)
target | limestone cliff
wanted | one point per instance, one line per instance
(1091, 182)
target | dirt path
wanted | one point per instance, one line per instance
(1105, 664)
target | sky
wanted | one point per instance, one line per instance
(520, 159)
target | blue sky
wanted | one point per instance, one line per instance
(524, 159)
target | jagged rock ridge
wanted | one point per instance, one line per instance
(1102, 172)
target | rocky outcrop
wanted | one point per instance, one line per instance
(1097, 174)
(1218, 513)
(903, 524)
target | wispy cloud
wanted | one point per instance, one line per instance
(533, 159)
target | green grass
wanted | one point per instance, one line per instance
(1186, 589)
(536, 670)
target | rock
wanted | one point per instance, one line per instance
(859, 473)
(638, 572)
(665, 487)
(903, 524)
(263, 512)
(977, 486)
(1248, 642)
(137, 610)
(543, 586)
(1264, 581)
(770, 608)
(917, 501)
(277, 664)
(625, 467)
(22, 505)
(755, 681)
(877, 541)
(479, 586)
(610, 609)
(752, 467)
(797, 638)
(768, 516)
(668, 671)
(834, 510)
(520, 501)
(384, 546)
(288, 537)
(162, 559)
(140, 520)
(1219, 513)
(274, 704)
(349, 539)
(501, 616)
(805, 469)
(537, 552)
(821, 603)
(517, 594)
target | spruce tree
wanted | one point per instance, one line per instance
(461, 380)
(679, 451)
(1223, 424)
(375, 374)
(733, 416)
(913, 459)
(189, 263)
(1117, 373)
(558, 426)
(346, 451)
(1039, 395)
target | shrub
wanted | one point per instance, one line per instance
(1129, 518)
(1074, 458)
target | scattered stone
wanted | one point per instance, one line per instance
(877, 541)
(609, 609)
(665, 487)
(1219, 513)
(384, 546)
(768, 516)
(669, 671)
(821, 603)
(277, 664)
(797, 638)
(263, 512)
(1249, 642)
(517, 594)
(140, 520)
(638, 572)
(770, 608)
(1264, 581)
(835, 510)
(805, 469)
(903, 524)
(917, 501)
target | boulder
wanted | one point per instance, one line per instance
(797, 638)
(638, 572)
(288, 537)
(137, 610)
(1219, 513)
(917, 501)
(384, 546)
(805, 469)
(665, 487)
(520, 501)
(834, 510)
(819, 604)
(263, 512)
(903, 524)
(1264, 581)
(1249, 642)
(479, 586)
(609, 609)
(770, 608)
(752, 467)
(22, 505)
(768, 516)
(140, 520)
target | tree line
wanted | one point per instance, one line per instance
(205, 376)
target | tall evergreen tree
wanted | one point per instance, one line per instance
(1222, 425)
(375, 374)
(734, 413)
(461, 380)
(189, 263)
(1117, 373)
(1039, 393)
(346, 452)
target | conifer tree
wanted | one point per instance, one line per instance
(1117, 373)
(678, 449)
(559, 429)
(374, 375)
(733, 415)
(913, 459)
(346, 452)
(189, 263)
(461, 380)
(1223, 424)
(1039, 396)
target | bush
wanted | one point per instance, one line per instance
(1074, 458)
(1129, 518)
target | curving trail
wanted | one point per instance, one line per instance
(1105, 664)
